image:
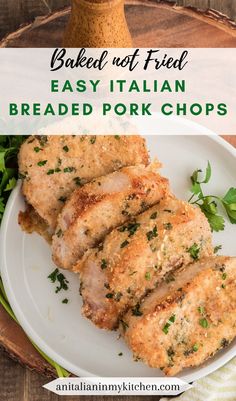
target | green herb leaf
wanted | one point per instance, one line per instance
(168, 324)
(195, 347)
(93, 140)
(37, 149)
(65, 301)
(11, 184)
(148, 276)
(194, 251)
(53, 275)
(109, 295)
(217, 248)
(168, 226)
(204, 323)
(42, 163)
(69, 169)
(123, 244)
(136, 310)
(152, 234)
(103, 264)
(153, 216)
(209, 204)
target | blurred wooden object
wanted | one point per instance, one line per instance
(14, 13)
(151, 24)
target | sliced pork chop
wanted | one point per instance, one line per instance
(136, 256)
(53, 166)
(101, 205)
(183, 323)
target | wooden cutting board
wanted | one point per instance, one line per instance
(151, 24)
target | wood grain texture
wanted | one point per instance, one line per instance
(20, 384)
(151, 24)
(13, 13)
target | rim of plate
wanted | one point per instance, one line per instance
(226, 356)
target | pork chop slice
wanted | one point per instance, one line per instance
(53, 166)
(135, 257)
(95, 209)
(183, 323)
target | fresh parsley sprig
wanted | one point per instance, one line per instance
(9, 147)
(210, 204)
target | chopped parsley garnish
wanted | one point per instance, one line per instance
(42, 163)
(194, 251)
(148, 276)
(168, 324)
(62, 199)
(109, 295)
(224, 276)
(195, 347)
(209, 203)
(124, 324)
(37, 149)
(77, 181)
(168, 226)
(117, 136)
(65, 301)
(123, 244)
(136, 310)
(69, 169)
(103, 264)
(153, 216)
(152, 234)
(93, 140)
(53, 275)
(201, 310)
(131, 228)
(56, 276)
(217, 248)
(51, 171)
(204, 323)
(65, 148)
(59, 233)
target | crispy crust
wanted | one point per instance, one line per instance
(66, 158)
(136, 263)
(203, 301)
(98, 207)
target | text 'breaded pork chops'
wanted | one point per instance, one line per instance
(183, 323)
(136, 256)
(101, 205)
(52, 166)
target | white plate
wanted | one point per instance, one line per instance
(58, 329)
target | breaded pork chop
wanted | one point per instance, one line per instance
(183, 323)
(101, 205)
(53, 166)
(136, 256)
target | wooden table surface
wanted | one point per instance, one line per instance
(21, 384)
